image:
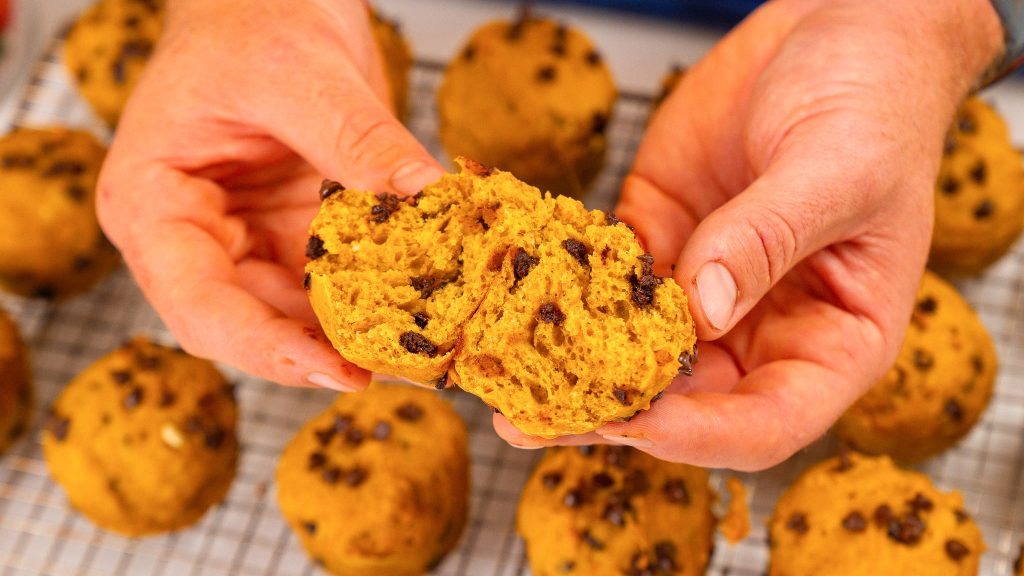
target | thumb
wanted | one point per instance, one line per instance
(348, 134)
(743, 248)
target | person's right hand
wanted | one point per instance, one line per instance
(212, 179)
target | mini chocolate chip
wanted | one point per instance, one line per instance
(657, 396)
(923, 360)
(798, 523)
(882, 515)
(927, 305)
(625, 397)
(546, 74)
(329, 188)
(978, 364)
(558, 49)
(355, 477)
(642, 287)
(306, 280)
(686, 361)
(593, 57)
(80, 263)
(427, 285)
(83, 75)
(949, 145)
(551, 480)
(980, 172)
(215, 438)
(76, 192)
(920, 503)
(636, 482)
(17, 161)
(342, 422)
(317, 460)
(551, 314)
(387, 205)
(58, 426)
(137, 48)
(420, 319)
(381, 430)
(64, 168)
(907, 530)
(147, 363)
(599, 123)
(46, 292)
(331, 475)
(442, 382)
(121, 377)
(354, 436)
(616, 456)
(193, 424)
(954, 410)
(949, 186)
(855, 522)
(324, 435)
(577, 250)
(960, 516)
(956, 550)
(573, 498)
(515, 30)
(676, 492)
(417, 344)
(665, 549)
(315, 248)
(522, 264)
(561, 32)
(309, 527)
(167, 399)
(469, 53)
(844, 463)
(616, 513)
(409, 412)
(587, 450)
(133, 399)
(478, 169)
(567, 566)
(984, 209)
(589, 540)
(602, 480)
(967, 125)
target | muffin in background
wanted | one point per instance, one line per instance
(532, 97)
(394, 49)
(15, 384)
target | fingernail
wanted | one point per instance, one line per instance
(717, 291)
(412, 177)
(630, 441)
(525, 446)
(326, 381)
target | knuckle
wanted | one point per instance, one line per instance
(367, 137)
(777, 245)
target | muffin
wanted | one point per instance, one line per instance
(858, 515)
(15, 384)
(549, 313)
(51, 245)
(979, 197)
(143, 441)
(613, 511)
(378, 484)
(532, 97)
(107, 49)
(937, 390)
(397, 58)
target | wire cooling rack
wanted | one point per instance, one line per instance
(41, 535)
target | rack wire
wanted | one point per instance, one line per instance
(41, 535)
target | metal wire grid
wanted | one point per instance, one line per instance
(41, 535)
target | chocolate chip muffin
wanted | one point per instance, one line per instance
(15, 383)
(615, 511)
(979, 197)
(397, 60)
(143, 441)
(549, 313)
(51, 245)
(937, 390)
(378, 484)
(860, 515)
(533, 97)
(107, 49)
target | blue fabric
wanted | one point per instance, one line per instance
(718, 12)
(1011, 12)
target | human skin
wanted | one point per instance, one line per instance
(790, 179)
(211, 181)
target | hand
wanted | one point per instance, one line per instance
(211, 182)
(790, 176)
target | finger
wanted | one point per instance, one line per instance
(347, 133)
(277, 286)
(775, 411)
(796, 208)
(178, 256)
(515, 437)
